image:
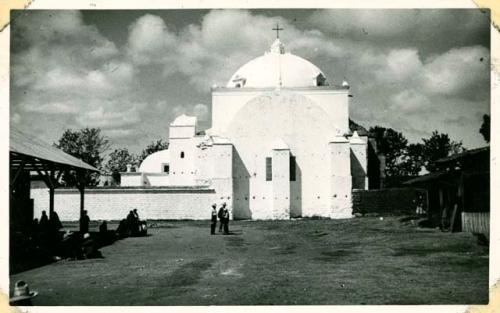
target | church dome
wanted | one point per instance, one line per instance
(154, 162)
(277, 68)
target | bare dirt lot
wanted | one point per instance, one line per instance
(355, 261)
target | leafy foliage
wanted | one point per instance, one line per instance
(438, 146)
(485, 128)
(403, 159)
(118, 160)
(392, 145)
(413, 160)
(152, 148)
(87, 144)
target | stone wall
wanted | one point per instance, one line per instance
(386, 201)
(114, 204)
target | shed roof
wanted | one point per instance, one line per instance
(35, 152)
(465, 154)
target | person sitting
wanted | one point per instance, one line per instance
(89, 248)
(122, 230)
(104, 237)
(44, 222)
(131, 224)
(34, 230)
(55, 222)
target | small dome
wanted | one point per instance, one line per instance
(154, 162)
(277, 68)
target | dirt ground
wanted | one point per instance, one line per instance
(355, 261)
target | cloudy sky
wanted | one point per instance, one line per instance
(131, 72)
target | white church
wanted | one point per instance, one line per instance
(280, 145)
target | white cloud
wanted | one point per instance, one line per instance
(409, 101)
(49, 108)
(68, 68)
(200, 110)
(119, 133)
(394, 67)
(458, 72)
(110, 115)
(150, 41)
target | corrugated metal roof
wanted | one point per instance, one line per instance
(21, 143)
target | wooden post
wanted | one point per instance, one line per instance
(80, 175)
(461, 195)
(49, 179)
(51, 200)
(82, 200)
(427, 209)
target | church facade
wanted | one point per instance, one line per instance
(280, 145)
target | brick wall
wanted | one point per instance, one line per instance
(114, 204)
(386, 201)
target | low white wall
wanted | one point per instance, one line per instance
(114, 204)
(131, 179)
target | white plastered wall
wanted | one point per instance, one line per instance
(359, 161)
(227, 102)
(307, 130)
(340, 180)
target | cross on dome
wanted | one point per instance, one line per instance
(277, 29)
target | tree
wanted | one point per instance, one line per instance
(438, 146)
(88, 145)
(152, 148)
(413, 160)
(392, 145)
(118, 160)
(485, 128)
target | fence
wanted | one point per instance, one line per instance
(393, 201)
(476, 222)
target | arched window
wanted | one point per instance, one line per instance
(182, 154)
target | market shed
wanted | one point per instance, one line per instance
(458, 192)
(32, 159)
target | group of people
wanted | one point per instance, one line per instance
(132, 225)
(46, 230)
(49, 240)
(223, 215)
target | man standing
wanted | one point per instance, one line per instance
(213, 225)
(84, 223)
(220, 215)
(225, 218)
